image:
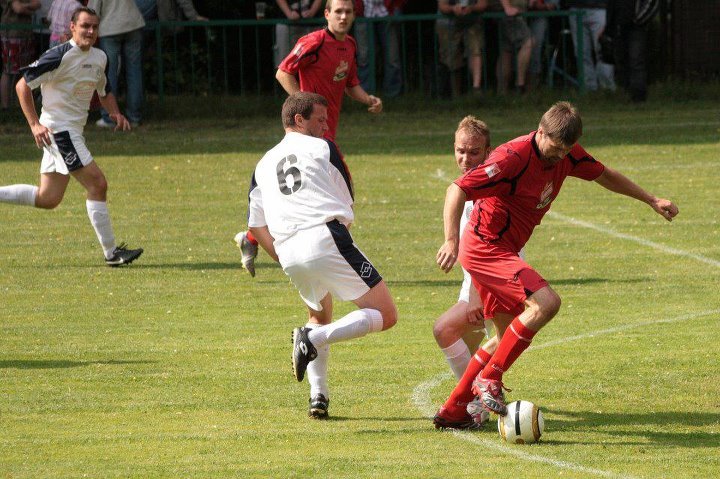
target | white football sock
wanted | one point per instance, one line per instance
(100, 220)
(458, 356)
(317, 370)
(19, 194)
(353, 325)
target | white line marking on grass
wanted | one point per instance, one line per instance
(644, 242)
(625, 327)
(421, 398)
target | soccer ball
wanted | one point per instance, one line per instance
(523, 424)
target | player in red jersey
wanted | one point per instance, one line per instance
(324, 62)
(513, 191)
(321, 62)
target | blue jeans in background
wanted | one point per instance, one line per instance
(597, 73)
(386, 34)
(125, 51)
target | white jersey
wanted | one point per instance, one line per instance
(68, 77)
(301, 183)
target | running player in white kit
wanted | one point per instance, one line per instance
(300, 210)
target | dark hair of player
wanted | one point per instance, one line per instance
(301, 103)
(80, 10)
(562, 123)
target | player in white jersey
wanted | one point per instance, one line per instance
(68, 75)
(300, 210)
(461, 328)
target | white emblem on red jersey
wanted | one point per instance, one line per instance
(492, 170)
(545, 196)
(341, 71)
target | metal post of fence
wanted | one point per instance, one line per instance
(257, 59)
(209, 59)
(192, 61)
(159, 60)
(369, 24)
(580, 53)
(225, 61)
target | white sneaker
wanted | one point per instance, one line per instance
(249, 252)
(104, 124)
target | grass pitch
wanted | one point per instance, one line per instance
(179, 366)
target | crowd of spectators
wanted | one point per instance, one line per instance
(463, 38)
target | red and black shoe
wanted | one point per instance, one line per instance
(464, 421)
(490, 392)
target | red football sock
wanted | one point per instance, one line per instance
(516, 339)
(251, 238)
(462, 393)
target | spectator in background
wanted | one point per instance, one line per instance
(287, 35)
(597, 73)
(460, 26)
(60, 13)
(515, 40)
(627, 24)
(121, 39)
(386, 37)
(168, 10)
(18, 48)
(538, 29)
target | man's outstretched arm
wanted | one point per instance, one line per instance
(616, 182)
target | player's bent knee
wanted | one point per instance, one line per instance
(47, 203)
(552, 306)
(390, 317)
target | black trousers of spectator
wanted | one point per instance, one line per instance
(630, 45)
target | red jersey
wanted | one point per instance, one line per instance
(326, 66)
(514, 189)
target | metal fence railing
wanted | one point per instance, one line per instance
(235, 57)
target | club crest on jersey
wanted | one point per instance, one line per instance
(341, 71)
(546, 196)
(492, 170)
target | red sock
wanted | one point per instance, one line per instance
(516, 339)
(251, 238)
(462, 393)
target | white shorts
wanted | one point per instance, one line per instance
(67, 153)
(464, 297)
(465, 288)
(341, 270)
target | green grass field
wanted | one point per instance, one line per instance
(179, 366)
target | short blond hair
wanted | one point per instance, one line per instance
(475, 128)
(562, 123)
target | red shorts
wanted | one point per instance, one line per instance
(17, 53)
(503, 280)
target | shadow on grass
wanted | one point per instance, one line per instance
(189, 266)
(60, 364)
(568, 281)
(376, 418)
(671, 428)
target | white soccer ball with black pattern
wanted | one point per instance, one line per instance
(523, 423)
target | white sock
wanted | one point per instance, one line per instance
(19, 194)
(458, 357)
(317, 370)
(353, 325)
(100, 220)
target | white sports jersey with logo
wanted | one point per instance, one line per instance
(68, 77)
(301, 183)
